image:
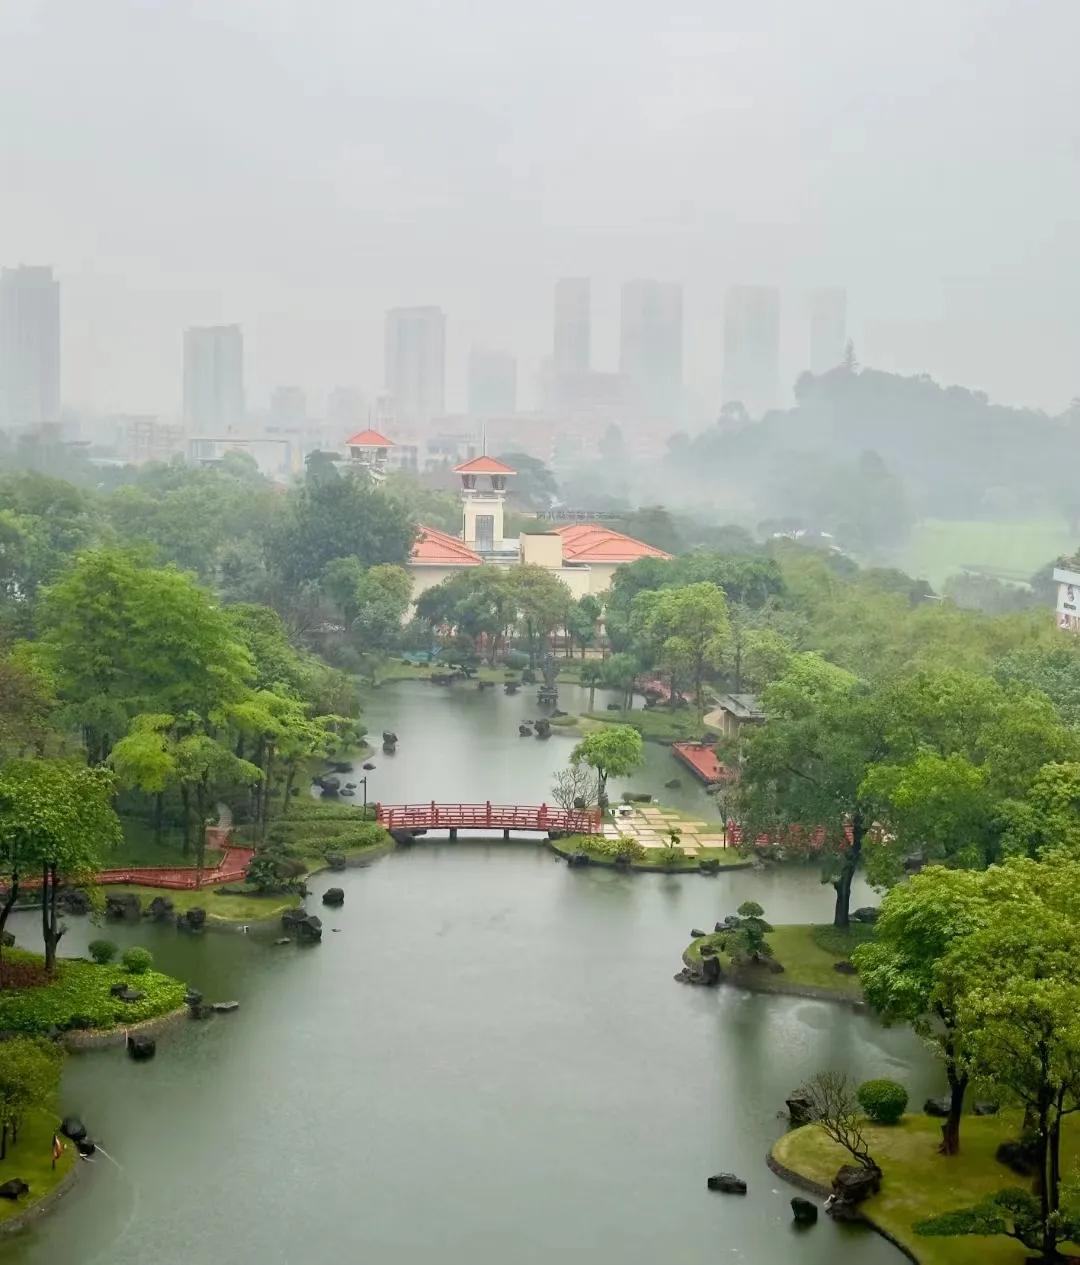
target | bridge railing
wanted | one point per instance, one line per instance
(487, 816)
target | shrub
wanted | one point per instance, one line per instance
(102, 951)
(138, 961)
(516, 659)
(275, 871)
(884, 1101)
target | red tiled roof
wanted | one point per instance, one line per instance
(369, 439)
(484, 465)
(592, 542)
(434, 548)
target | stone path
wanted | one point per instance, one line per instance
(651, 825)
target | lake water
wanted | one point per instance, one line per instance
(487, 1062)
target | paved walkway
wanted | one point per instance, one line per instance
(651, 826)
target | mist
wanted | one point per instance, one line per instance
(298, 169)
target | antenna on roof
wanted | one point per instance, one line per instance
(483, 440)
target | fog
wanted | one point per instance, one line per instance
(300, 167)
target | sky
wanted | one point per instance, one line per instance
(299, 166)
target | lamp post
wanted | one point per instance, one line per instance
(363, 783)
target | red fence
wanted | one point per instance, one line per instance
(232, 868)
(488, 816)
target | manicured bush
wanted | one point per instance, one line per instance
(883, 1100)
(101, 951)
(137, 960)
(516, 659)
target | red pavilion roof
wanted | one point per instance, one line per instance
(484, 465)
(369, 439)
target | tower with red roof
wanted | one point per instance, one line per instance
(483, 491)
(369, 451)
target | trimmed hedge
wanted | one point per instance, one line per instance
(78, 997)
(884, 1101)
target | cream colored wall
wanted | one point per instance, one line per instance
(600, 574)
(542, 549)
(424, 578)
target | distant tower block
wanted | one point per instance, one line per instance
(483, 491)
(369, 451)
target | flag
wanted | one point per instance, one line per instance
(57, 1148)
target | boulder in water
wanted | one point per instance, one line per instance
(160, 909)
(727, 1183)
(122, 905)
(193, 919)
(72, 1127)
(333, 896)
(141, 1047)
(803, 1211)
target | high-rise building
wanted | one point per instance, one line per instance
(751, 375)
(828, 328)
(213, 378)
(345, 409)
(29, 346)
(492, 383)
(416, 362)
(573, 325)
(651, 348)
(288, 406)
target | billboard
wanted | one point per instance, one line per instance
(1068, 599)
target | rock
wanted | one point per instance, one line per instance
(708, 865)
(141, 1047)
(710, 971)
(72, 1127)
(193, 919)
(845, 968)
(335, 861)
(224, 1007)
(78, 1023)
(389, 736)
(803, 1211)
(73, 900)
(402, 837)
(543, 728)
(389, 748)
(696, 933)
(283, 940)
(346, 791)
(192, 997)
(852, 1184)
(203, 1010)
(614, 707)
(305, 926)
(160, 909)
(328, 785)
(368, 767)
(800, 1110)
(938, 1107)
(122, 905)
(130, 995)
(350, 786)
(333, 896)
(14, 1188)
(578, 859)
(727, 1183)
(868, 914)
(673, 784)
(986, 1108)
(636, 797)
(914, 863)
(86, 1147)
(525, 731)
(1019, 1156)
(7, 939)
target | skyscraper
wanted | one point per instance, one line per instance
(29, 346)
(416, 362)
(752, 348)
(651, 348)
(492, 383)
(828, 328)
(573, 325)
(213, 378)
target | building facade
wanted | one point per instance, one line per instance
(416, 363)
(492, 383)
(651, 348)
(213, 378)
(751, 372)
(572, 343)
(29, 347)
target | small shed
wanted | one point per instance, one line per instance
(737, 710)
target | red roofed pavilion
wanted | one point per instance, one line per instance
(369, 439)
(484, 465)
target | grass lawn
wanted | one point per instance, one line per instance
(938, 548)
(139, 847)
(250, 908)
(919, 1183)
(601, 849)
(808, 954)
(78, 996)
(31, 1159)
(656, 724)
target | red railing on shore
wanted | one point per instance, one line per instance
(487, 816)
(231, 869)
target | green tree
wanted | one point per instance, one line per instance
(905, 977)
(582, 622)
(803, 770)
(534, 484)
(383, 595)
(1019, 1008)
(690, 627)
(619, 672)
(55, 818)
(615, 750)
(542, 603)
(592, 673)
(29, 1077)
(476, 604)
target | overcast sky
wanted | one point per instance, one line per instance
(300, 165)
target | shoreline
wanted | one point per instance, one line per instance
(603, 863)
(749, 979)
(44, 1204)
(796, 1179)
(80, 1040)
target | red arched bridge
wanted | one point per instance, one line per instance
(488, 816)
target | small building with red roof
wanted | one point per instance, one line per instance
(369, 451)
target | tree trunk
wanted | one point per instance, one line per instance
(159, 814)
(8, 905)
(849, 864)
(3, 1142)
(185, 799)
(49, 932)
(950, 1130)
(738, 665)
(268, 777)
(592, 695)
(289, 779)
